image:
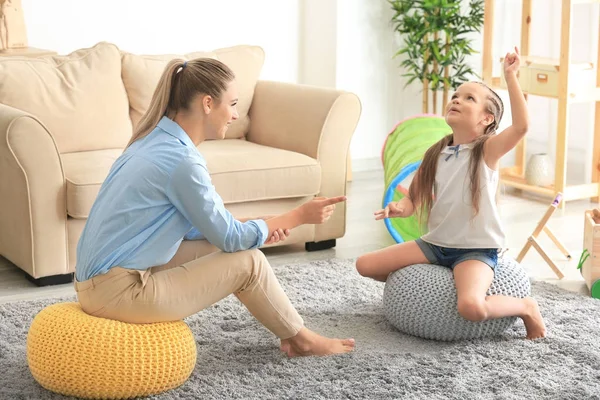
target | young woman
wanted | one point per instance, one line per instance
(159, 192)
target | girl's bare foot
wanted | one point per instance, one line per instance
(308, 343)
(534, 323)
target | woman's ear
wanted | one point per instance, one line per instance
(207, 104)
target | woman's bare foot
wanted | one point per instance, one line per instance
(534, 323)
(308, 343)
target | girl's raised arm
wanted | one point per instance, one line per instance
(500, 144)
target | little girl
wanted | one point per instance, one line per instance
(455, 188)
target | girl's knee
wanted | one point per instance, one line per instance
(472, 309)
(363, 265)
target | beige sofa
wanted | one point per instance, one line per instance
(65, 119)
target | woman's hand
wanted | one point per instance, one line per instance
(278, 235)
(512, 62)
(319, 209)
(315, 211)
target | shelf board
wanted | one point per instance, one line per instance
(573, 192)
(592, 94)
(519, 182)
(589, 95)
(584, 191)
(553, 63)
(499, 87)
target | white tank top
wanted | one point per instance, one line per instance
(451, 222)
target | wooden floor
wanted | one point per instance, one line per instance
(363, 234)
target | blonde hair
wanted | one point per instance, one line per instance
(421, 188)
(180, 82)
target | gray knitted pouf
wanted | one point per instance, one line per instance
(421, 300)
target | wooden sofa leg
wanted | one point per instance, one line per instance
(51, 280)
(316, 246)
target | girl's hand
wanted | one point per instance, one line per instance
(512, 62)
(392, 210)
(319, 209)
(278, 235)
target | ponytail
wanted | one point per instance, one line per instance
(179, 83)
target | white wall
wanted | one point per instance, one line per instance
(174, 26)
(318, 41)
(365, 66)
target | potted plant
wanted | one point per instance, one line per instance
(435, 43)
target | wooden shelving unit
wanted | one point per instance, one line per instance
(566, 94)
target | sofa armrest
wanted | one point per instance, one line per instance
(317, 122)
(305, 119)
(33, 214)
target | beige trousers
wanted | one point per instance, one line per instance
(190, 282)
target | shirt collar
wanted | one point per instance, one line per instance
(173, 129)
(452, 149)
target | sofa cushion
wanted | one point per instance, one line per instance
(79, 97)
(85, 171)
(241, 171)
(142, 72)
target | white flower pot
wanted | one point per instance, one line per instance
(539, 171)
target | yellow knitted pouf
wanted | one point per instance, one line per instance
(75, 354)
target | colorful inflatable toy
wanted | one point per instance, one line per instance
(401, 156)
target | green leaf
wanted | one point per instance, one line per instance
(418, 20)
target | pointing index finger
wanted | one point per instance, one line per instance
(333, 200)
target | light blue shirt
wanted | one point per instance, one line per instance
(157, 193)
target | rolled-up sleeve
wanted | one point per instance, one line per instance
(193, 194)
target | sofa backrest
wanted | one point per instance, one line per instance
(142, 72)
(79, 97)
(91, 98)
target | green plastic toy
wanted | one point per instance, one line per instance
(595, 290)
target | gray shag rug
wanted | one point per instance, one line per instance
(239, 359)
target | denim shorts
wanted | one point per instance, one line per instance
(451, 257)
